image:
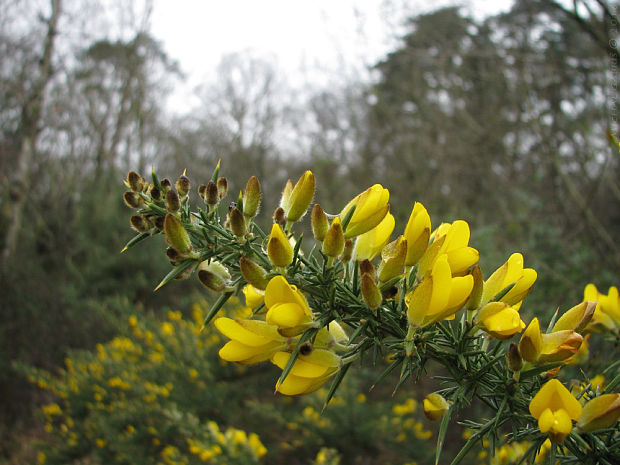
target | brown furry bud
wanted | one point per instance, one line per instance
(222, 187)
(165, 184)
(132, 200)
(155, 193)
(135, 182)
(182, 185)
(202, 191)
(158, 221)
(211, 195)
(367, 267)
(173, 203)
(237, 222)
(139, 224)
(279, 216)
(347, 252)
(370, 291)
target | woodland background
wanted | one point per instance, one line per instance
(505, 122)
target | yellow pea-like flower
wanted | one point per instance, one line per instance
(554, 407)
(279, 249)
(600, 412)
(500, 320)
(450, 239)
(607, 312)
(287, 307)
(371, 206)
(435, 406)
(417, 233)
(300, 197)
(557, 346)
(392, 259)
(251, 341)
(438, 296)
(253, 296)
(369, 244)
(309, 372)
(576, 318)
(510, 272)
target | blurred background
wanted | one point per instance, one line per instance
(501, 113)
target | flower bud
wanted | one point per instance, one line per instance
(576, 318)
(435, 406)
(173, 255)
(347, 253)
(319, 222)
(139, 224)
(392, 259)
(251, 197)
(371, 292)
(135, 182)
(253, 273)
(182, 185)
(132, 200)
(155, 193)
(158, 221)
(476, 294)
(300, 197)
(176, 235)
(213, 275)
(285, 200)
(367, 267)
(333, 244)
(211, 195)
(279, 248)
(515, 362)
(279, 216)
(600, 412)
(165, 184)
(222, 187)
(202, 191)
(237, 222)
(173, 203)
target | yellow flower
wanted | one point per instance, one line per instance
(438, 296)
(297, 202)
(252, 341)
(576, 318)
(417, 233)
(510, 272)
(279, 248)
(309, 372)
(369, 244)
(253, 297)
(554, 407)
(451, 240)
(600, 412)
(287, 306)
(167, 328)
(435, 406)
(392, 259)
(371, 206)
(536, 347)
(500, 320)
(607, 313)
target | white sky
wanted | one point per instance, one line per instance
(309, 41)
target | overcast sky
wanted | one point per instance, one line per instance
(309, 41)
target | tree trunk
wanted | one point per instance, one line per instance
(28, 132)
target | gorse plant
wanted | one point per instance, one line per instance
(424, 305)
